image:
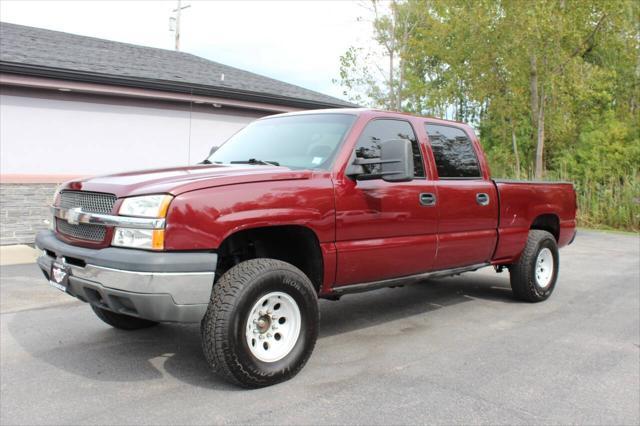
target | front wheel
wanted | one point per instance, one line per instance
(261, 324)
(534, 276)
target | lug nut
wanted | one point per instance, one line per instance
(269, 335)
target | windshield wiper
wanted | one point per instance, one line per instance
(205, 161)
(254, 161)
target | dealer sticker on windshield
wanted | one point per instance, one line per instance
(316, 160)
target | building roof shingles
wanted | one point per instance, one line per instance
(87, 56)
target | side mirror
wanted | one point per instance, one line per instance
(396, 163)
(396, 157)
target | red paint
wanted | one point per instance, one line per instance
(521, 203)
(367, 230)
(382, 231)
(467, 231)
(202, 219)
(178, 180)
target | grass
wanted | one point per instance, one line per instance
(608, 231)
(613, 204)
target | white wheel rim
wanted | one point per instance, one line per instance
(273, 326)
(544, 268)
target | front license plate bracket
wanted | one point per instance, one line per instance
(59, 276)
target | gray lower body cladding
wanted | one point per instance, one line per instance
(158, 286)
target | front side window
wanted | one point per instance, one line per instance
(453, 151)
(306, 141)
(378, 131)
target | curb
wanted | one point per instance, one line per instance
(18, 254)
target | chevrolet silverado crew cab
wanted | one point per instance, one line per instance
(293, 208)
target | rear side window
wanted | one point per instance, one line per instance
(453, 152)
(378, 131)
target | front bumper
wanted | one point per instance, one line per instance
(158, 286)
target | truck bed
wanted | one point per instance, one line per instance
(533, 182)
(553, 204)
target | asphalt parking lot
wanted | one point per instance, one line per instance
(454, 350)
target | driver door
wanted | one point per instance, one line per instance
(385, 229)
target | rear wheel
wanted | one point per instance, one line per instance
(261, 324)
(534, 276)
(123, 322)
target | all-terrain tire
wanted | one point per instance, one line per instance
(531, 279)
(226, 327)
(123, 322)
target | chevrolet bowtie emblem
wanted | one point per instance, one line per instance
(73, 215)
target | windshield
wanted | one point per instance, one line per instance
(308, 141)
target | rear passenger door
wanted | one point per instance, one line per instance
(467, 199)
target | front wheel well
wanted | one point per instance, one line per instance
(549, 223)
(293, 244)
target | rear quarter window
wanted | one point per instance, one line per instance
(453, 151)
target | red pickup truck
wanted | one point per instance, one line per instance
(293, 208)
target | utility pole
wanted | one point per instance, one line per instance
(176, 20)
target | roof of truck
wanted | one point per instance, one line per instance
(373, 111)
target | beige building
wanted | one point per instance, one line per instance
(74, 106)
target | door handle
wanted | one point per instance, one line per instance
(482, 199)
(427, 199)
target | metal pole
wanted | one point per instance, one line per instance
(178, 12)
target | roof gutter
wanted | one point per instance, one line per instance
(165, 85)
(21, 80)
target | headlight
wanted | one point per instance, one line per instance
(145, 206)
(150, 239)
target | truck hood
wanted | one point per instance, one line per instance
(178, 180)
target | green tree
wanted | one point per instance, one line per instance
(363, 74)
(551, 85)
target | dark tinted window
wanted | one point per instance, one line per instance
(453, 151)
(378, 131)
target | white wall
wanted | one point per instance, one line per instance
(47, 132)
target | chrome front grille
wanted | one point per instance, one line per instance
(91, 202)
(81, 231)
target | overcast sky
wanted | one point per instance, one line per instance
(298, 42)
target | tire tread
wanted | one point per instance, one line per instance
(522, 282)
(219, 317)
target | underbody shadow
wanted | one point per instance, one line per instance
(105, 354)
(363, 310)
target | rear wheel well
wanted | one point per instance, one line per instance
(293, 244)
(549, 223)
